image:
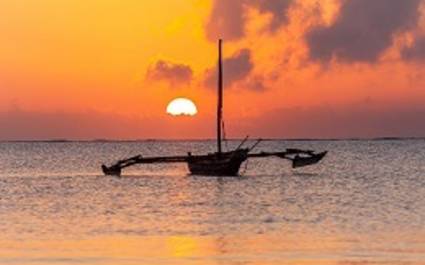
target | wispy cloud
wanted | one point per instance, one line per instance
(351, 121)
(173, 73)
(416, 52)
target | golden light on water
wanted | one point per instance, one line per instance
(182, 106)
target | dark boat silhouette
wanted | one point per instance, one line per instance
(219, 163)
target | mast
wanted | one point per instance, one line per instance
(220, 97)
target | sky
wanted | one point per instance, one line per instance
(106, 69)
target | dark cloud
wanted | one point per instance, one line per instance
(167, 71)
(227, 19)
(363, 30)
(278, 8)
(416, 51)
(235, 68)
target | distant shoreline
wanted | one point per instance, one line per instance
(209, 139)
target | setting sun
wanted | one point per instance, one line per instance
(182, 106)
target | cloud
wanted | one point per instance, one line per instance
(235, 68)
(227, 19)
(18, 124)
(277, 8)
(416, 52)
(363, 120)
(355, 121)
(171, 72)
(256, 83)
(363, 30)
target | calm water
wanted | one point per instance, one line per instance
(364, 204)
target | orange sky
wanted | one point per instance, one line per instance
(294, 68)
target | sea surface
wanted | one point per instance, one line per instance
(363, 204)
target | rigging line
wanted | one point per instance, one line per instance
(224, 134)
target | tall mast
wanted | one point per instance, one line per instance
(220, 98)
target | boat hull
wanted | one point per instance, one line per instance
(307, 161)
(111, 171)
(224, 164)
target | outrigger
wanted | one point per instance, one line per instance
(219, 163)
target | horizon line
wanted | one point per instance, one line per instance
(64, 140)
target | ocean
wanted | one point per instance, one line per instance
(363, 204)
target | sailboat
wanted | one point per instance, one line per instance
(219, 163)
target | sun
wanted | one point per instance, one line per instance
(182, 106)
